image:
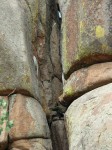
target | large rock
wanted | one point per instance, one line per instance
(89, 120)
(16, 61)
(33, 144)
(59, 137)
(86, 33)
(86, 79)
(29, 118)
(4, 134)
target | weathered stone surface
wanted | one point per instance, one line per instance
(33, 144)
(42, 44)
(16, 61)
(42, 11)
(86, 79)
(44, 102)
(33, 7)
(54, 51)
(86, 33)
(47, 85)
(56, 89)
(4, 134)
(89, 120)
(59, 138)
(29, 118)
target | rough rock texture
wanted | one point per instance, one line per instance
(57, 89)
(29, 118)
(33, 7)
(89, 120)
(42, 45)
(86, 33)
(49, 56)
(59, 138)
(28, 31)
(16, 61)
(33, 144)
(85, 80)
(4, 134)
(55, 51)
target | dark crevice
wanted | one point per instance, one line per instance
(48, 75)
(55, 76)
(69, 99)
(88, 61)
(27, 138)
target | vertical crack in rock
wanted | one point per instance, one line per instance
(27, 3)
(47, 51)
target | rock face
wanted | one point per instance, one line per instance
(29, 118)
(55, 51)
(42, 44)
(34, 144)
(16, 61)
(86, 79)
(88, 120)
(33, 7)
(56, 88)
(28, 31)
(48, 47)
(86, 33)
(86, 49)
(59, 137)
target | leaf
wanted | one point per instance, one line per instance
(10, 123)
(1, 101)
(1, 129)
(4, 104)
(4, 117)
(7, 128)
(5, 113)
(1, 122)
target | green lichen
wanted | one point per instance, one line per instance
(81, 26)
(85, 48)
(83, 52)
(100, 32)
(68, 91)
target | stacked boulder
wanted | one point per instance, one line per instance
(18, 78)
(31, 69)
(87, 61)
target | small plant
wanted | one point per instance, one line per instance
(4, 115)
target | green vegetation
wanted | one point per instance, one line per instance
(4, 115)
